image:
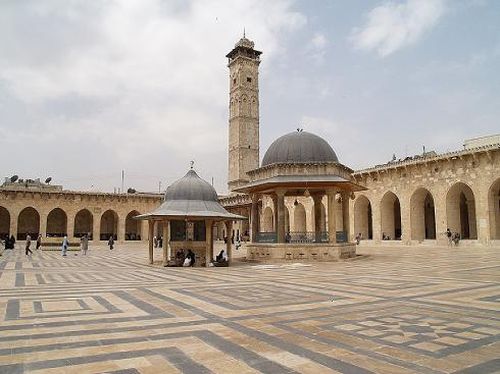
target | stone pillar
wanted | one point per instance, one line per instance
(405, 209)
(70, 226)
(42, 229)
(254, 218)
(208, 242)
(332, 219)
(120, 230)
(96, 227)
(346, 215)
(150, 246)
(14, 215)
(229, 248)
(280, 227)
(166, 240)
(440, 211)
(317, 198)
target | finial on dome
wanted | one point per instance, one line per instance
(192, 164)
(244, 32)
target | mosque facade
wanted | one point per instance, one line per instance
(411, 202)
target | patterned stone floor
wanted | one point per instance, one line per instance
(401, 310)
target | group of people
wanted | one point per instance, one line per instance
(185, 259)
(453, 237)
(158, 242)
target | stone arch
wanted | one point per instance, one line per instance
(299, 218)
(390, 214)
(28, 222)
(132, 226)
(57, 223)
(109, 225)
(363, 222)
(422, 215)
(461, 211)
(4, 222)
(268, 220)
(494, 208)
(84, 223)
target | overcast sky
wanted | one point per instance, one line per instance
(88, 88)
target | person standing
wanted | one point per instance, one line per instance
(111, 242)
(65, 244)
(28, 244)
(449, 236)
(85, 243)
(38, 241)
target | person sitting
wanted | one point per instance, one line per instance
(192, 259)
(179, 257)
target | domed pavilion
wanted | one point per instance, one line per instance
(301, 164)
(188, 213)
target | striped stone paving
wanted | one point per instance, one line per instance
(400, 310)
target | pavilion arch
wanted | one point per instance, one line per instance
(494, 208)
(299, 218)
(422, 215)
(268, 220)
(133, 226)
(390, 212)
(84, 223)
(28, 222)
(363, 222)
(4, 222)
(109, 224)
(57, 223)
(461, 211)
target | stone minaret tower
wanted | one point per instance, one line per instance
(243, 66)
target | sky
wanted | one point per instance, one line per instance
(91, 88)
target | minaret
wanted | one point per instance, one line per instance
(243, 149)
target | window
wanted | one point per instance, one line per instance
(249, 79)
(178, 231)
(234, 80)
(199, 231)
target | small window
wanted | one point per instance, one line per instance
(249, 79)
(234, 80)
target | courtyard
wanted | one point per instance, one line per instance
(396, 310)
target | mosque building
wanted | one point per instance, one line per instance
(299, 196)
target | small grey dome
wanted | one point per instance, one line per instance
(299, 147)
(191, 187)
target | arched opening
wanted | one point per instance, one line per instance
(4, 222)
(57, 222)
(84, 222)
(268, 220)
(109, 225)
(422, 215)
(363, 217)
(299, 218)
(390, 210)
(132, 226)
(494, 205)
(461, 211)
(287, 220)
(28, 222)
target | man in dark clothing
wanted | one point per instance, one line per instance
(191, 257)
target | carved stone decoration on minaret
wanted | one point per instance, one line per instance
(243, 145)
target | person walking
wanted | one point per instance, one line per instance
(85, 244)
(28, 244)
(449, 236)
(38, 241)
(65, 244)
(111, 242)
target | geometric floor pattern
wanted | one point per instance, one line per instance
(399, 310)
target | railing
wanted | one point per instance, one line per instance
(304, 237)
(266, 237)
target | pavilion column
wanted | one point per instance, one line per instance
(150, 246)
(229, 248)
(208, 242)
(332, 215)
(254, 217)
(280, 227)
(166, 242)
(345, 214)
(317, 216)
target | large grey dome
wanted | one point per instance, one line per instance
(299, 147)
(191, 187)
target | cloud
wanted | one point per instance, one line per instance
(393, 26)
(143, 82)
